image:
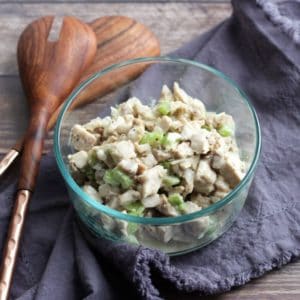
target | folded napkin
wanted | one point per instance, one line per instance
(258, 48)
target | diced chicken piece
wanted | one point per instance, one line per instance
(190, 207)
(94, 125)
(205, 177)
(188, 177)
(81, 139)
(230, 167)
(197, 227)
(186, 163)
(142, 149)
(205, 189)
(196, 106)
(188, 131)
(129, 166)
(141, 168)
(222, 185)
(151, 201)
(121, 228)
(79, 159)
(180, 94)
(129, 197)
(149, 160)
(179, 109)
(122, 150)
(106, 191)
(199, 143)
(218, 195)
(200, 200)
(173, 139)
(166, 94)
(108, 222)
(180, 235)
(136, 133)
(161, 233)
(183, 150)
(119, 125)
(113, 202)
(165, 123)
(176, 125)
(223, 119)
(127, 108)
(205, 174)
(101, 153)
(177, 170)
(166, 208)
(161, 155)
(149, 125)
(151, 180)
(92, 192)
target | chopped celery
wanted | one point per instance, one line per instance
(176, 199)
(116, 177)
(92, 158)
(225, 131)
(135, 209)
(132, 228)
(166, 164)
(181, 207)
(207, 127)
(154, 138)
(110, 178)
(170, 180)
(164, 107)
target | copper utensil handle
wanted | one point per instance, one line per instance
(12, 242)
(7, 160)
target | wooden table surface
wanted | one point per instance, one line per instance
(174, 23)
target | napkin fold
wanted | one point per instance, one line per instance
(258, 48)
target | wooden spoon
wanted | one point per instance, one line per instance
(119, 38)
(49, 71)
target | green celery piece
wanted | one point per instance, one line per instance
(225, 131)
(132, 228)
(116, 177)
(92, 158)
(164, 108)
(175, 199)
(125, 181)
(170, 180)
(110, 178)
(152, 138)
(166, 164)
(135, 209)
(207, 127)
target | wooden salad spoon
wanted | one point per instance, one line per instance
(49, 70)
(119, 38)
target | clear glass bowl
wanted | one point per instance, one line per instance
(173, 235)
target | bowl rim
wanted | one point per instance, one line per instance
(154, 220)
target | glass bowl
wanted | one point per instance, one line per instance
(173, 235)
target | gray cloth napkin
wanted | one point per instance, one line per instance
(258, 48)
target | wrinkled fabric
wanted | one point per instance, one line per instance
(59, 259)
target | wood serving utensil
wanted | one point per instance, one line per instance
(49, 70)
(119, 38)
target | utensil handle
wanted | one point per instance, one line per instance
(12, 242)
(7, 160)
(32, 150)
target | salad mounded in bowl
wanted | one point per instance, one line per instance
(165, 160)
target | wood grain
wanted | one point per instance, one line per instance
(49, 71)
(174, 24)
